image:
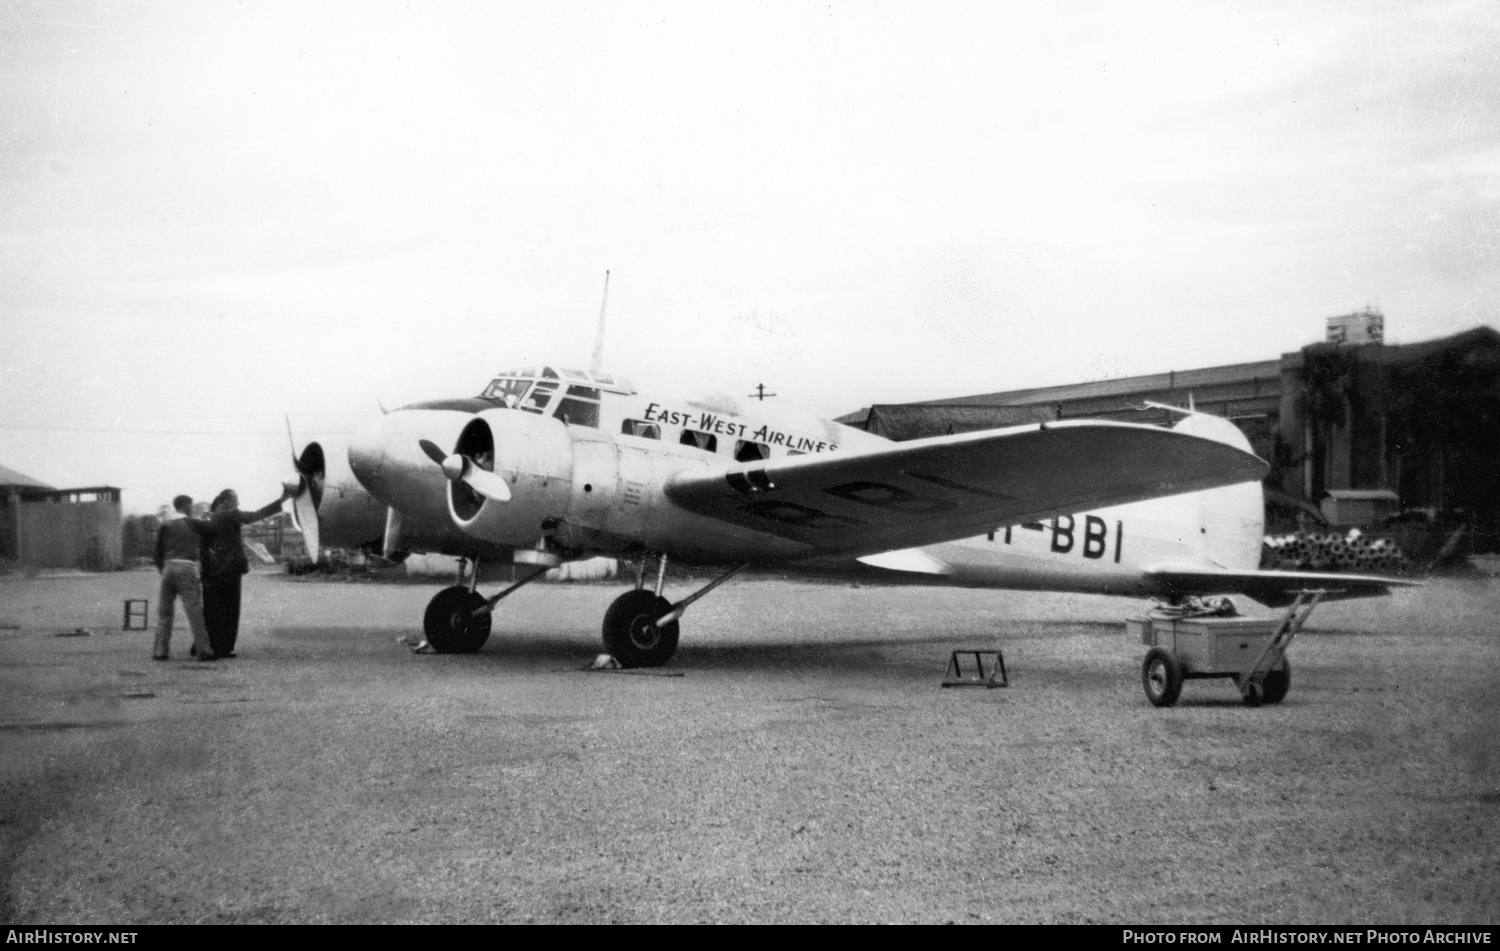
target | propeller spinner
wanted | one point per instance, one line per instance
(460, 468)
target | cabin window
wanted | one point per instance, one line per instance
(747, 451)
(578, 412)
(708, 442)
(641, 428)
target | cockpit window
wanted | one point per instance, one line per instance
(587, 392)
(524, 376)
(541, 395)
(578, 412)
(506, 391)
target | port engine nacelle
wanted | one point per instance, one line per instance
(330, 508)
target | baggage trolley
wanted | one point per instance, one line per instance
(1252, 651)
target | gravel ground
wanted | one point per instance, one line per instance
(797, 761)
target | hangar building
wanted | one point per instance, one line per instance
(43, 527)
(1357, 431)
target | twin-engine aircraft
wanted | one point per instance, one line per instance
(549, 465)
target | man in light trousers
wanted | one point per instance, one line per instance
(177, 562)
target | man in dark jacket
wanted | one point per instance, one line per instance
(224, 562)
(177, 546)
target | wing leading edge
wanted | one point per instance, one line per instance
(1271, 588)
(929, 490)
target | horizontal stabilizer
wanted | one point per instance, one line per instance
(1271, 588)
(913, 560)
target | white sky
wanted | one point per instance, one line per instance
(212, 214)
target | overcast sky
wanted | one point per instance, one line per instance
(212, 214)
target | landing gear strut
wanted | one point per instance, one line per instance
(458, 618)
(640, 627)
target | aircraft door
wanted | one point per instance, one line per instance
(595, 475)
(637, 488)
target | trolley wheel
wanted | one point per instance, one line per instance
(1161, 675)
(1274, 688)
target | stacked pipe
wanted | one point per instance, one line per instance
(1330, 551)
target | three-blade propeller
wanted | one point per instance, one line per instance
(460, 468)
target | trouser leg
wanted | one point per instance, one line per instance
(231, 613)
(166, 606)
(192, 606)
(213, 613)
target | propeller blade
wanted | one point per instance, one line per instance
(305, 515)
(462, 469)
(433, 452)
(453, 466)
(487, 484)
(292, 442)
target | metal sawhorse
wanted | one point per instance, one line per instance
(136, 609)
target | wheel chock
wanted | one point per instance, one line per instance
(956, 677)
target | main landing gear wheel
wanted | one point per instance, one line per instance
(450, 624)
(631, 633)
(1161, 675)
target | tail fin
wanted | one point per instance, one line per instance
(1232, 520)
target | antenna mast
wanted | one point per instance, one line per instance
(597, 365)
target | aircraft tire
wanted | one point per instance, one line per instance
(1278, 682)
(450, 625)
(630, 632)
(1161, 676)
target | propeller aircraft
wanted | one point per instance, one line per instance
(548, 465)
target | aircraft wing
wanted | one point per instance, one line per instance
(1271, 588)
(930, 490)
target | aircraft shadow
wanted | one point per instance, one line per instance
(575, 650)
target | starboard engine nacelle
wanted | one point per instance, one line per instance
(534, 456)
(571, 488)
